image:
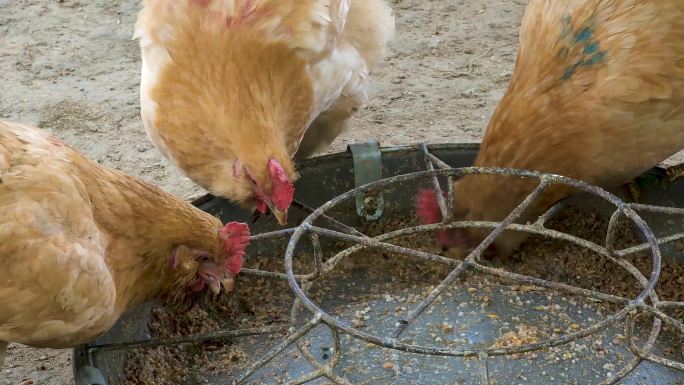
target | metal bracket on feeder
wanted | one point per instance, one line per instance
(367, 159)
(89, 375)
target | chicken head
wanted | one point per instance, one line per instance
(272, 189)
(213, 272)
(428, 212)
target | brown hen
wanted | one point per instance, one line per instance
(80, 244)
(597, 94)
(233, 90)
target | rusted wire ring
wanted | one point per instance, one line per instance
(392, 343)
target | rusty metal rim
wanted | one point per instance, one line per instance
(546, 180)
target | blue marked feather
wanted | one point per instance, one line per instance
(591, 48)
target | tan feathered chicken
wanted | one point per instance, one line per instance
(80, 244)
(233, 90)
(597, 95)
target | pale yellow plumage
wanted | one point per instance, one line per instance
(597, 94)
(228, 82)
(51, 249)
(80, 243)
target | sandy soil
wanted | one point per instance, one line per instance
(71, 67)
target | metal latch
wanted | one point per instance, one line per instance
(367, 159)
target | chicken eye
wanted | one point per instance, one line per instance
(202, 257)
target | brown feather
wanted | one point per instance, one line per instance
(246, 80)
(212, 105)
(81, 243)
(597, 95)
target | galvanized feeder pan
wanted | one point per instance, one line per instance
(354, 334)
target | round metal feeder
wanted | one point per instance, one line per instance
(350, 325)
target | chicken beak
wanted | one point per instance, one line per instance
(227, 282)
(281, 216)
(214, 286)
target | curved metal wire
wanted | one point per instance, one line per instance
(645, 303)
(471, 263)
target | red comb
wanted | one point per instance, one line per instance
(236, 239)
(427, 208)
(453, 238)
(428, 211)
(283, 190)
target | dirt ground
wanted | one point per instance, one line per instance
(70, 66)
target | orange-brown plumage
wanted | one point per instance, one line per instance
(235, 89)
(195, 100)
(81, 243)
(597, 94)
